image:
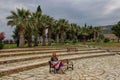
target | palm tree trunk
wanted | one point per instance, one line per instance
(43, 36)
(21, 41)
(49, 36)
(30, 41)
(36, 41)
(94, 36)
(73, 35)
(62, 37)
(57, 38)
(84, 39)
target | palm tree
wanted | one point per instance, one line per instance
(56, 31)
(18, 19)
(91, 33)
(73, 30)
(51, 23)
(16, 36)
(44, 24)
(63, 25)
(84, 33)
(29, 36)
(96, 30)
(68, 34)
(30, 29)
(37, 24)
(78, 32)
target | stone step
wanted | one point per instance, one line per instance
(12, 59)
(115, 51)
(27, 49)
(47, 56)
(23, 67)
(38, 48)
(29, 53)
(7, 54)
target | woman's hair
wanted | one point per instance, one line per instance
(54, 55)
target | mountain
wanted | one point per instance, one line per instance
(107, 29)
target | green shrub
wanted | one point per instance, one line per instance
(106, 40)
(1, 46)
(67, 41)
(97, 40)
(75, 40)
(2, 36)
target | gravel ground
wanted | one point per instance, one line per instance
(99, 68)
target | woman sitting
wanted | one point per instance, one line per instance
(56, 63)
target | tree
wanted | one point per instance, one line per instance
(56, 31)
(63, 25)
(18, 19)
(51, 23)
(28, 35)
(37, 24)
(43, 26)
(79, 30)
(84, 33)
(90, 33)
(73, 30)
(16, 35)
(96, 31)
(116, 30)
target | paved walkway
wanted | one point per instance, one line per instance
(99, 68)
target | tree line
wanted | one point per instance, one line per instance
(30, 24)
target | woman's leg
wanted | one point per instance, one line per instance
(62, 70)
(60, 67)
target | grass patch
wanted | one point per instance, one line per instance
(7, 46)
(109, 44)
(66, 44)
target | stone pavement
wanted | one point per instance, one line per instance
(98, 68)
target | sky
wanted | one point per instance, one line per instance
(91, 12)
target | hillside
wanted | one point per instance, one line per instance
(107, 29)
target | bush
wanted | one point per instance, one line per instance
(2, 36)
(97, 40)
(1, 46)
(106, 40)
(66, 41)
(75, 40)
